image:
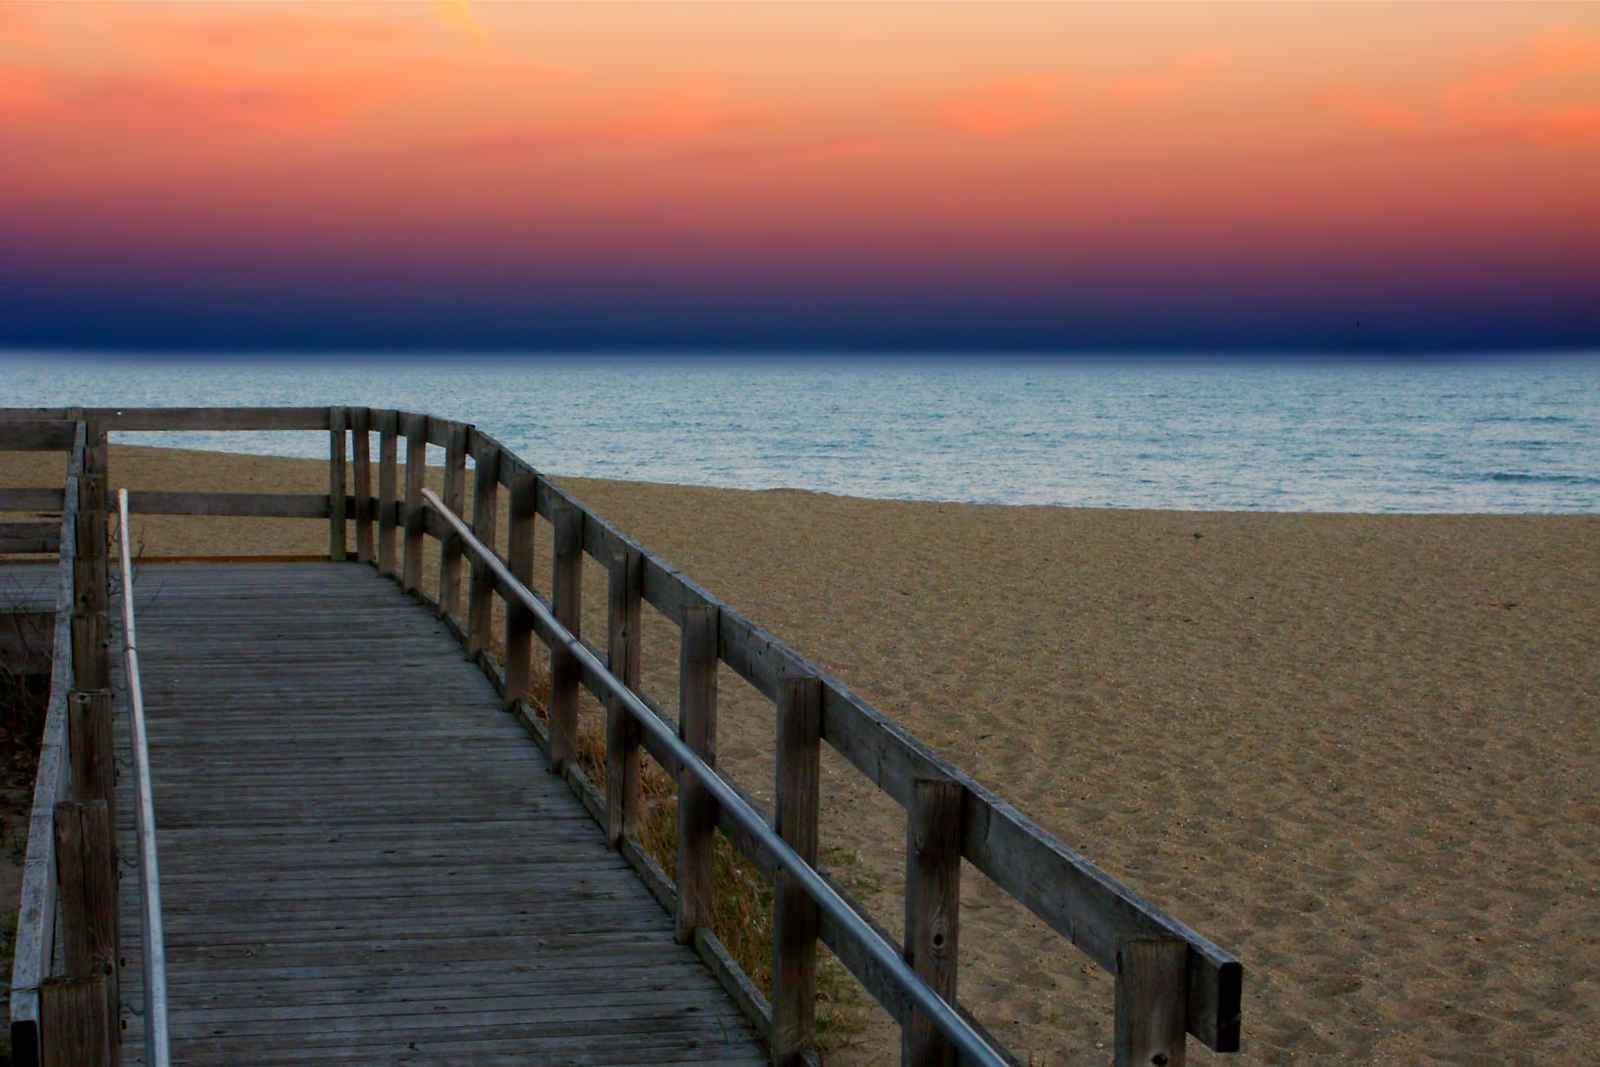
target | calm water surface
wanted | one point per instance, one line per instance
(1501, 436)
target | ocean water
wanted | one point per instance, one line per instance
(1513, 435)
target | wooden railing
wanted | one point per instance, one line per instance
(64, 979)
(1170, 980)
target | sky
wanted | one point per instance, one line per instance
(815, 175)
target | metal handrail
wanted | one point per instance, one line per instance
(974, 1048)
(157, 1042)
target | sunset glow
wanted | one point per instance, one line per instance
(895, 175)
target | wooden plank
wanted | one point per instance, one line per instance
(89, 731)
(1150, 1002)
(794, 913)
(416, 428)
(519, 620)
(87, 874)
(697, 809)
(480, 597)
(933, 910)
(211, 418)
(624, 641)
(454, 497)
(566, 587)
(388, 446)
(251, 505)
(35, 537)
(30, 500)
(337, 419)
(36, 435)
(361, 449)
(77, 1015)
(90, 626)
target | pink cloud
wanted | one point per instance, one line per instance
(1173, 82)
(1003, 108)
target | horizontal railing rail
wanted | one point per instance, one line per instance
(157, 1042)
(35, 942)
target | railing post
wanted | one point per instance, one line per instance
(697, 728)
(89, 721)
(794, 913)
(455, 492)
(91, 656)
(86, 873)
(485, 494)
(566, 594)
(416, 469)
(519, 620)
(337, 418)
(388, 446)
(361, 447)
(933, 909)
(625, 615)
(77, 1029)
(1151, 1003)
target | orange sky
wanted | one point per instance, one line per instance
(954, 146)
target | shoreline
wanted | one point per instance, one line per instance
(1356, 749)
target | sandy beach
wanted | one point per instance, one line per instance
(1361, 752)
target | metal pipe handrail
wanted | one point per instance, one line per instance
(973, 1046)
(157, 1042)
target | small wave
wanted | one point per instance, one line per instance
(1543, 420)
(1542, 479)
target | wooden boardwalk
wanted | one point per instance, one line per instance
(364, 860)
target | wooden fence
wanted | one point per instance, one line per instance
(64, 979)
(1170, 980)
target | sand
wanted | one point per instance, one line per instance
(1361, 752)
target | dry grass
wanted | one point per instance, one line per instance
(741, 914)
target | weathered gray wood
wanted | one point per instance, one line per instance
(933, 910)
(361, 450)
(90, 633)
(30, 500)
(78, 1021)
(36, 925)
(624, 641)
(1151, 993)
(485, 492)
(794, 914)
(37, 537)
(454, 497)
(87, 874)
(566, 591)
(519, 620)
(89, 722)
(416, 427)
(337, 418)
(215, 418)
(697, 810)
(388, 476)
(245, 505)
(35, 435)
(435, 849)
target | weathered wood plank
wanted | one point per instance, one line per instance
(250, 505)
(337, 419)
(566, 587)
(519, 620)
(416, 429)
(624, 642)
(697, 809)
(35, 435)
(30, 500)
(797, 799)
(361, 452)
(388, 475)
(218, 418)
(480, 598)
(1150, 1002)
(455, 490)
(78, 1017)
(35, 537)
(932, 910)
